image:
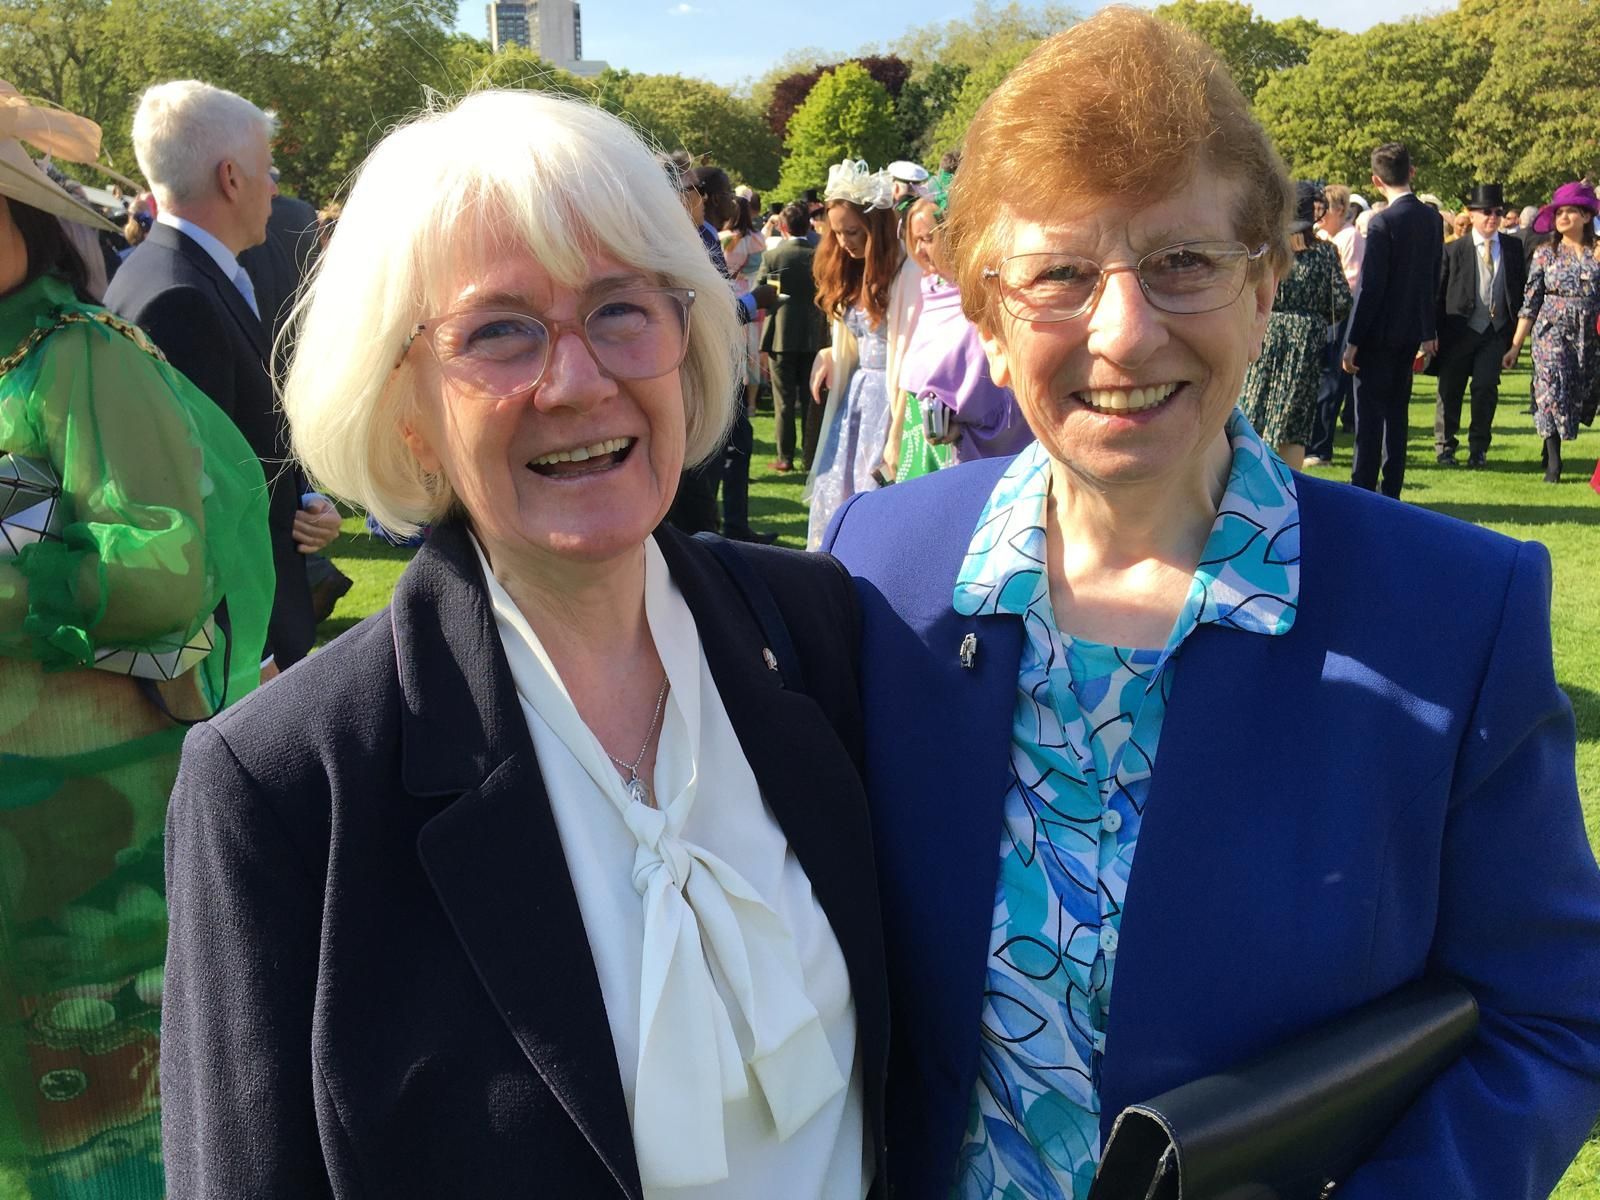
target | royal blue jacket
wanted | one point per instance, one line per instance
(1385, 791)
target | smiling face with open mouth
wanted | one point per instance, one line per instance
(1126, 393)
(581, 466)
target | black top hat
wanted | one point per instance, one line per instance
(1487, 195)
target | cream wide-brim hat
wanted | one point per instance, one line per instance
(63, 134)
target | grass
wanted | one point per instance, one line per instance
(1509, 495)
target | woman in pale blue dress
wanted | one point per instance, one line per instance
(868, 286)
(852, 449)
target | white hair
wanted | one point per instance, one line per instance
(556, 177)
(184, 128)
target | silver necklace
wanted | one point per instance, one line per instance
(636, 789)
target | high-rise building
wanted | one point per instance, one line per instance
(552, 29)
(508, 24)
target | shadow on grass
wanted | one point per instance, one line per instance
(362, 545)
(1586, 708)
(1520, 514)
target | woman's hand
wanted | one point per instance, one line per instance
(1510, 359)
(820, 371)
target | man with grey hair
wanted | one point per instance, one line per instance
(207, 157)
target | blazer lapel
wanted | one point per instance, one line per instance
(228, 291)
(493, 853)
(1212, 895)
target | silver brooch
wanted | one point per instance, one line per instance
(768, 657)
(969, 650)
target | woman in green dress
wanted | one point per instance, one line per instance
(132, 537)
(1280, 389)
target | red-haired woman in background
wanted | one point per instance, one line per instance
(867, 287)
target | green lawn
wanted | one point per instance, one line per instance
(1509, 495)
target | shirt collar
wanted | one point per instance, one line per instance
(1479, 240)
(1248, 577)
(206, 240)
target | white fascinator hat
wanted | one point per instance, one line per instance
(852, 180)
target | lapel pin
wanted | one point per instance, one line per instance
(969, 650)
(768, 657)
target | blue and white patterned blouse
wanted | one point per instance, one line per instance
(1083, 744)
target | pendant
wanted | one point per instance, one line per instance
(637, 792)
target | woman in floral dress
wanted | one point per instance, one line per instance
(1560, 308)
(1280, 388)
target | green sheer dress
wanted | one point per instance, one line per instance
(165, 519)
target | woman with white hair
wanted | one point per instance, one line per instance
(512, 890)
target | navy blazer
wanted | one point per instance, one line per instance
(1397, 305)
(1386, 790)
(378, 979)
(174, 290)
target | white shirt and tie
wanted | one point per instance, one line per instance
(220, 254)
(1487, 253)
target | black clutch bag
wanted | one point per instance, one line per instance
(1291, 1124)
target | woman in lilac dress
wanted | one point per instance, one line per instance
(1560, 307)
(944, 378)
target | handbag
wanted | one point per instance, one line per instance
(1296, 1121)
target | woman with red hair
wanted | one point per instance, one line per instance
(867, 287)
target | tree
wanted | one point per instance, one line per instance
(951, 128)
(848, 115)
(1534, 120)
(1253, 49)
(1402, 82)
(991, 32)
(689, 114)
(923, 101)
(338, 73)
(790, 92)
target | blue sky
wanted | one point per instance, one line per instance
(727, 42)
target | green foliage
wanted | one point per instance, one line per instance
(926, 98)
(991, 32)
(337, 72)
(1253, 48)
(951, 128)
(1401, 82)
(957, 63)
(689, 114)
(1534, 120)
(847, 115)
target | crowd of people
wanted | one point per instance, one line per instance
(617, 858)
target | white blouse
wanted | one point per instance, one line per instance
(727, 995)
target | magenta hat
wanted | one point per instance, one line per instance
(1578, 194)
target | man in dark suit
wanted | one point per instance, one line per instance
(1480, 291)
(279, 264)
(205, 152)
(792, 338)
(1396, 314)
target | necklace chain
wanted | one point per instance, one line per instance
(633, 768)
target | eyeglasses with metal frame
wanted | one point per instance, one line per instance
(641, 333)
(1184, 278)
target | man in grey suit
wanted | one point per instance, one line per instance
(792, 338)
(1396, 314)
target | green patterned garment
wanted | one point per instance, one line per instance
(163, 518)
